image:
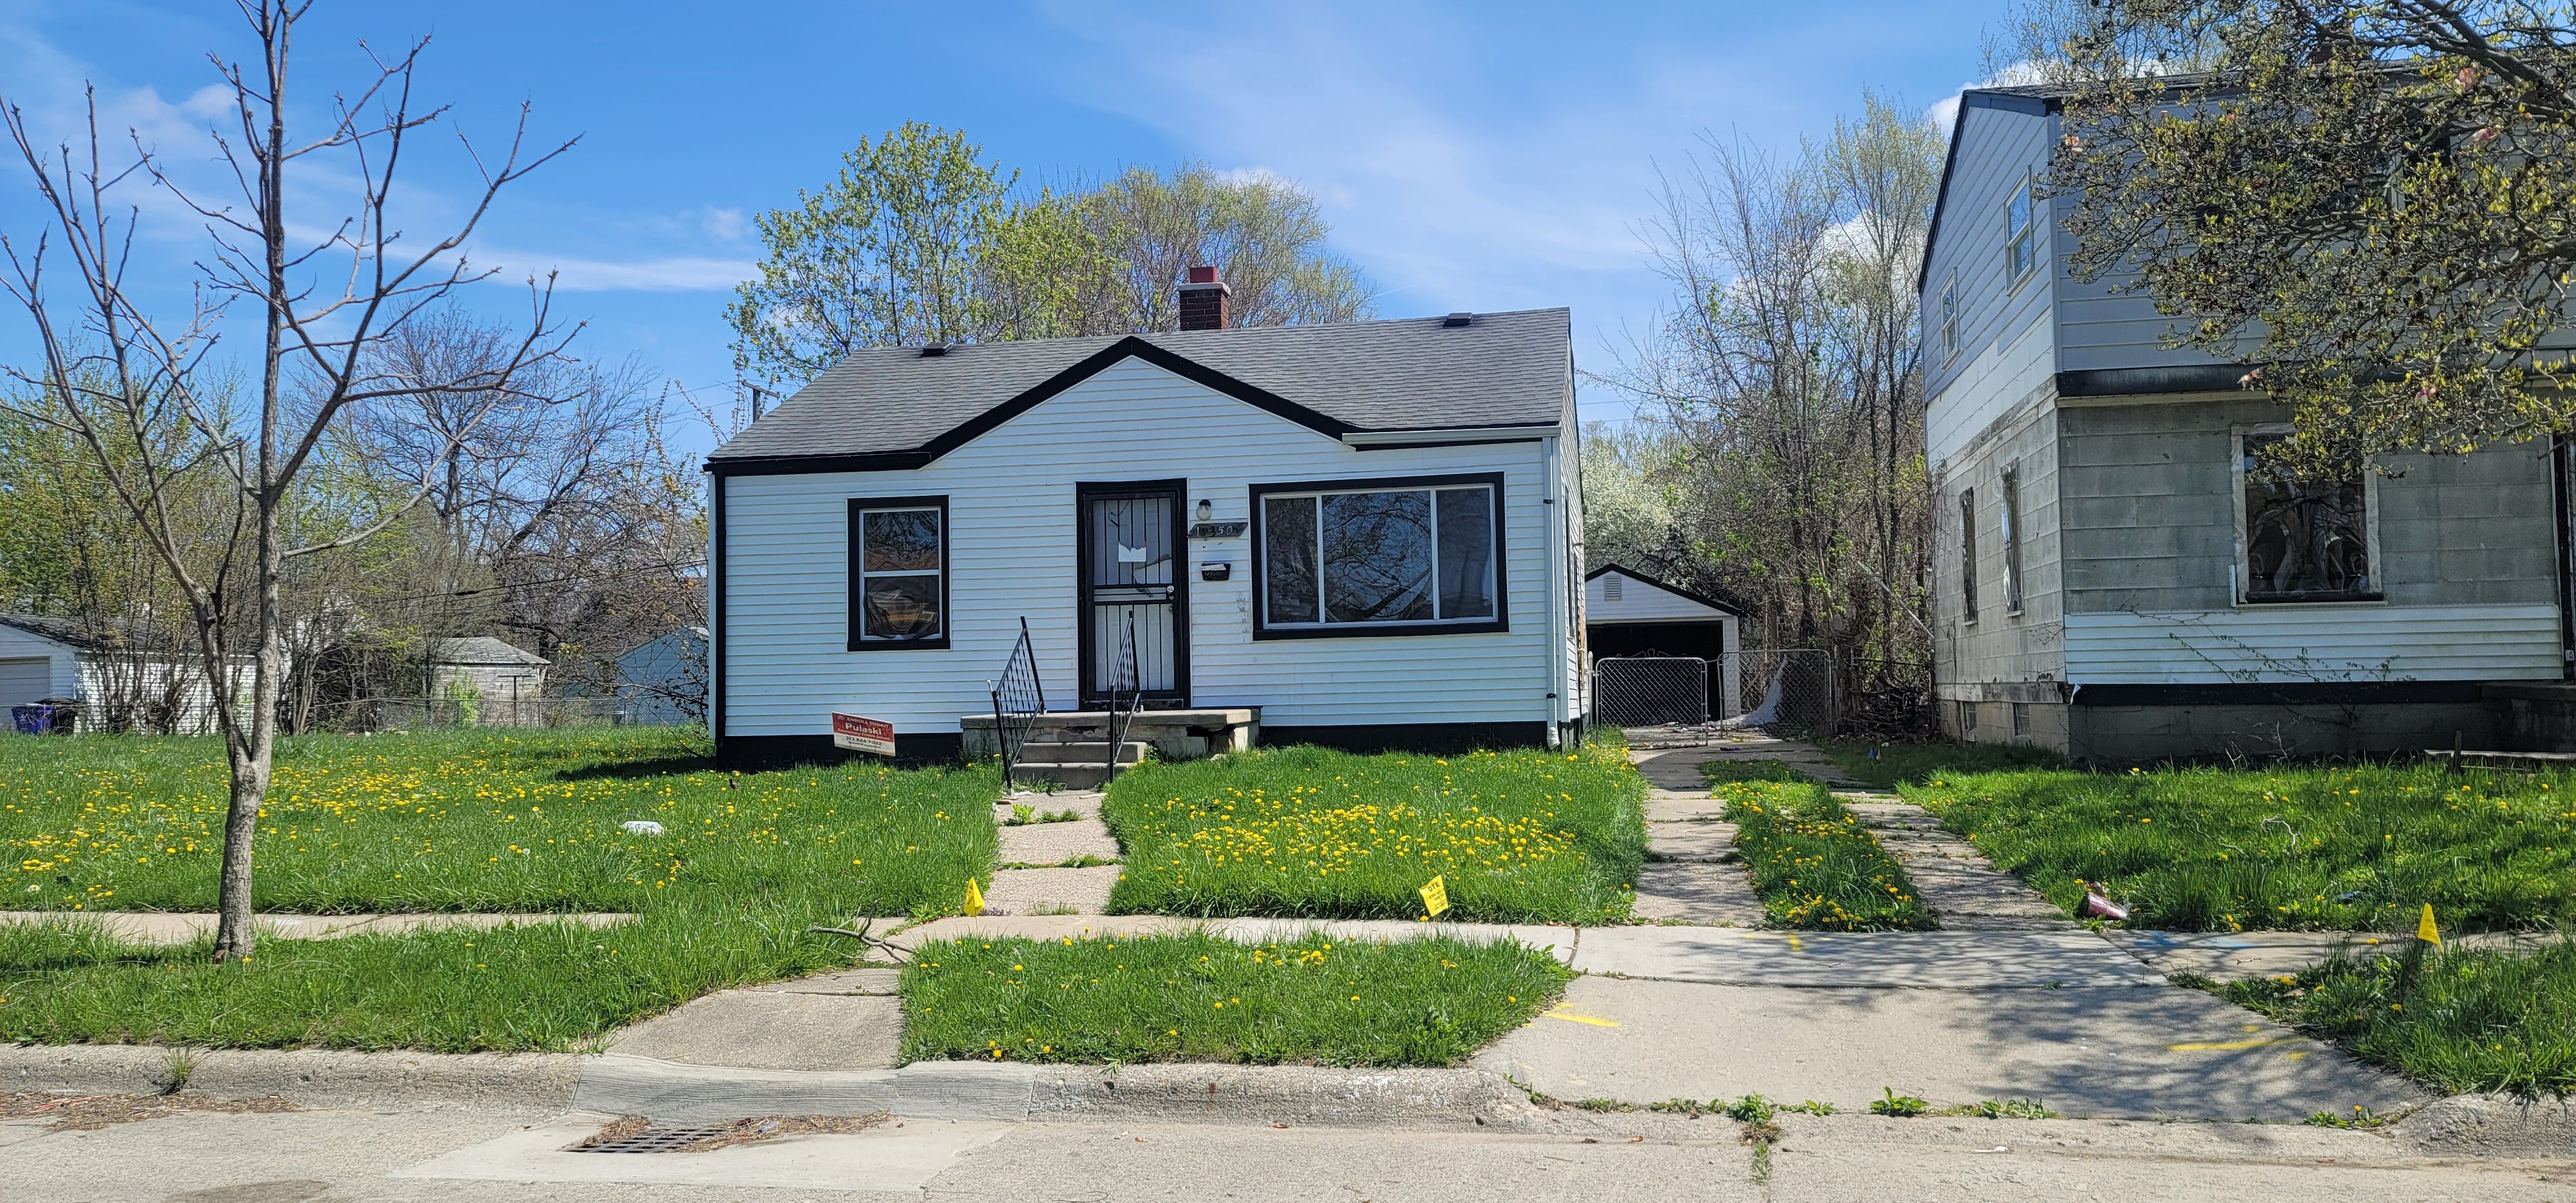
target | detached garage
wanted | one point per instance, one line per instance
(116, 688)
(1627, 613)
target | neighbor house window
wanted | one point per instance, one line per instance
(898, 572)
(2011, 519)
(1949, 316)
(1380, 557)
(1967, 718)
(1968, 553)
(2301, 539)
(2021, 720)
(2021, 237)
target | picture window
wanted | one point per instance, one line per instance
(2302, 538)
(1380, 558)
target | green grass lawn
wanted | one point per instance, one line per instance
(2461, 1021)
(2288, 847)
(1524, 836)
(1813, 863)
(1201, 998)
(458, 821)
(1888, 765)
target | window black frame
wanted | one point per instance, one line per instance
(1968, 554)
(857, 611)
(1260, 567)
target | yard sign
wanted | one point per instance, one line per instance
(862, 734)
(1435, 896)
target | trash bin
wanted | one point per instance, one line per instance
(52, 716)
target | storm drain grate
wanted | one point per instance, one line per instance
(656, 1140)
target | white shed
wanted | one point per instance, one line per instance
(1367, 532)
(481, 667)
(43, 657)
(1628, 613)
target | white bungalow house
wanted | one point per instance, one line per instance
(2119, 574)
(45, 658)
(1362, 534)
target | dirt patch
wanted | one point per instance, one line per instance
(90, 1111)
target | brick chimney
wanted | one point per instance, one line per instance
(1205, 301)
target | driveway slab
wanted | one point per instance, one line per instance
(1698, 892)
(1927, 960)
(2229, 956)
(2166, 1052)
(773, 1029)
(1712, 842)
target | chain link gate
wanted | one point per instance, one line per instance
(1650, 691)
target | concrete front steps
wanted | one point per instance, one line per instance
(1070, 748)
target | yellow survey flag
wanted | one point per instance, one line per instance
(1435, 896)
(974, 897)
(2425, 929)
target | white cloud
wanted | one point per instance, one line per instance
(1944, 114)
(676, 274)
(724, 225)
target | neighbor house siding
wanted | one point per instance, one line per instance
(2000, 645)
(63, 663)
(2467, 561)
(2006, 347)
(1011, 554)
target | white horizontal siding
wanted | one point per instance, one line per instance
(62, 679)
(1641, 601)
(2005, 343)
(1011, 552)
(2332, 643)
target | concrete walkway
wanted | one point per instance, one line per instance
(159, 927)
(1054, 866)
(1949, 874)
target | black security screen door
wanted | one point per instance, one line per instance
(1133, 579)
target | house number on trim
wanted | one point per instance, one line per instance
(1218, 530)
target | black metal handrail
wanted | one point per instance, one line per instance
(1018, 699)
(1126, 692)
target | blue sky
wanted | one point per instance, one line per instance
(1469, 156)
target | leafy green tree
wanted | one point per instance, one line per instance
(2372, 204)
(887, 254)
(921, 239)
(1264, 235)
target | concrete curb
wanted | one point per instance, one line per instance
(2492, 1125)
(1304, 1095)
(307, 1077)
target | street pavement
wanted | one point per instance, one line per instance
(473, 1157)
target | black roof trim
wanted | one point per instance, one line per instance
(2142, 382)
(1668, 587)
(983, 423)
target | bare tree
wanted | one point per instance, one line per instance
(325, 293)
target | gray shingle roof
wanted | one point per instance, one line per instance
(1502, 369)
(480, 650)
(60, 630)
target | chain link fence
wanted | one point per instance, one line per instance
(1650, 691)
(439, 714)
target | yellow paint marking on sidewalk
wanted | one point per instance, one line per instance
(1571, 1017)
(2229, 1046)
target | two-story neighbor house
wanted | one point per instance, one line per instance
(2119, 576)
(1367, 532)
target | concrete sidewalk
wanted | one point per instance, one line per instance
(180, 927)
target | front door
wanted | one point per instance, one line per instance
(1135, 595)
